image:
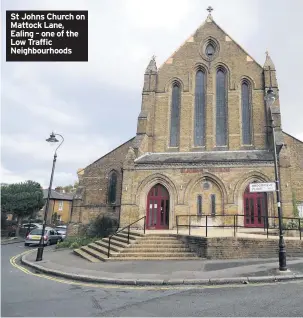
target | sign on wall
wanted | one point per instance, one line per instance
(262, 187)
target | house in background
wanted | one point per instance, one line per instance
(60, 205)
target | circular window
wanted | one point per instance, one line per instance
(206, 185)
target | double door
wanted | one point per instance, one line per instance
(255, 209)
(157, 210)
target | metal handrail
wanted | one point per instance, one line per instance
(235, 224)
(127, 226)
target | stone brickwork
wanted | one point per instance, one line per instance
(91, 198)
(184, 170)
(238, 248)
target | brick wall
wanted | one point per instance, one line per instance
(237, 248)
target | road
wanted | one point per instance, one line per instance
(31, 296)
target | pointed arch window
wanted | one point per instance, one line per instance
(199, 205)
(246, 113)
(200, 109)
(112, 188)
(175, 115)
(221, 108)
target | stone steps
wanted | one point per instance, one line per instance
(86, 256)
(141, 247)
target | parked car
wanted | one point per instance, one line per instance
(61, 229)
(26, 228)
(51, 236)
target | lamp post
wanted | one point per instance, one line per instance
(52, 139)
(270, 99)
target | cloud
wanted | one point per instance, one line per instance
(95, 104)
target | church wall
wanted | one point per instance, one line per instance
(183, 185)
(93, 189)
(181, 66)
(291, 173)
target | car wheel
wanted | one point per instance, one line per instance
(59, 240)
(26, 244)
(48, 243)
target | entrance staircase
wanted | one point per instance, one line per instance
(141, 247)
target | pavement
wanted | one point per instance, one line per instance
(65, 263)
(28, 294)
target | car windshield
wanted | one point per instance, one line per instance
(36, 232)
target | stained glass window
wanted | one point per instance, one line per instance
(175, 116)
(199, 109)
(112, 188)
(221, 109)
(246, 114)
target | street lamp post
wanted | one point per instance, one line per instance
(51, 139)
(270, 98)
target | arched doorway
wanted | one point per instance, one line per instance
(255, 208)
(157, 208)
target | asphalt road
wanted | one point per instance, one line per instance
(29, 295)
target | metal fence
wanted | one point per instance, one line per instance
(232, 221)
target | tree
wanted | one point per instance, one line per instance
(69, 188)
(23, 199)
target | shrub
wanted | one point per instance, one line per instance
(102, 226)
(76, 242)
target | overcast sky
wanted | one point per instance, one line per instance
(95, 104)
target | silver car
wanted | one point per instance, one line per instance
(51, 236)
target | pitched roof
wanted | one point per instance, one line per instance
(58, 196)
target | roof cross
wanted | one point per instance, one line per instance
(209, 9)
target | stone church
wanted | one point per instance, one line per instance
(204, 133)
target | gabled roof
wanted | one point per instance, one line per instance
(58, 196)
(210, 19)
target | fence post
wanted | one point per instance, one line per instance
(128, 235)
(267, 226)
(300, 229)
(189, 219)
(108, 247)
(144, 223)
(177, 224)
(206, 226)
(234, 226)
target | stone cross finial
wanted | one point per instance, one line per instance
(209, 9)
(154, 57)
(267, 53)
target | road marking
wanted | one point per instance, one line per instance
(108, 286)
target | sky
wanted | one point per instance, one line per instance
(95, 104)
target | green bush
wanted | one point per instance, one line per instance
(76, 241)
(102, 226)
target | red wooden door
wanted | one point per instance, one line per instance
(255, 208)
(157, 209)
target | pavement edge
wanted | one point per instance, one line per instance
(160, 282)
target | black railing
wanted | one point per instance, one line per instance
(128, 233)
(232, 221)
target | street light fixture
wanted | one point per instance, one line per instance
(52, 139)
(270, 99)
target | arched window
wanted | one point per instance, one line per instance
(221, 108)
(175, 115)
(199, 205)
(246, 113)
(199, 109)
(112, 188)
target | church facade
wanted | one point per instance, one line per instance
(203, 135)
